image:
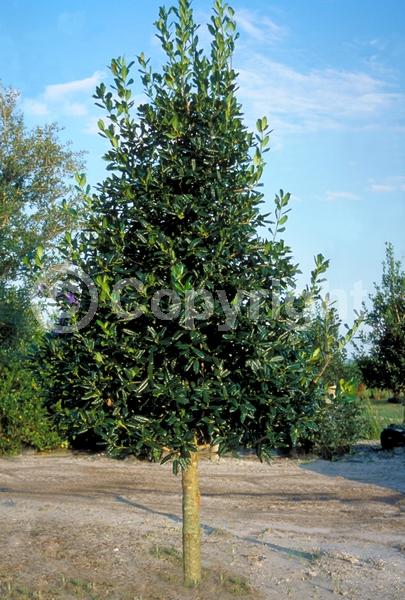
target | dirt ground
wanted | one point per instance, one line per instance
(88, 527)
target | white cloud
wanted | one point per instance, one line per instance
(337, 196)
(69, 99)
(35, 107)
(75, 109)
(381, 188)
(389, 185)
(58, 91)
(259, 27)
(317, 100)
(91, 126)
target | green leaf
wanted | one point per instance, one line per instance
(315, 355)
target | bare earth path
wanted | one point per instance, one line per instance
(79, 526)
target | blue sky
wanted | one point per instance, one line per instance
(329, 74)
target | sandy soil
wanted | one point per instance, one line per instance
(80, 526)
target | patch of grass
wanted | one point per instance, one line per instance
(235, 585)
(79, 585)
(373, 425)
(215, 583)
(378, 412)
(165, 553)
(81, 589)
(9, 591)
(386, 413)
(222, 584)
(227, 585)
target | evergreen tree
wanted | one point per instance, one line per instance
(195, 339)
(382, 361)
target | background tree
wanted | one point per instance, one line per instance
(36, 174)
(37, 204)
(382, 361)
(214, 355)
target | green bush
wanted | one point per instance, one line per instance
(341, 423)
(23, 419)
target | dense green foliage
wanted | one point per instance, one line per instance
(24, 420)
(225, 352)
(382, 361)
(37, 204)
(342, 422)
(341, 418)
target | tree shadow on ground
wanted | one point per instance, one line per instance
(291, 552)
(368, 464)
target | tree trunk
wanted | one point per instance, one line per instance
(191, 524)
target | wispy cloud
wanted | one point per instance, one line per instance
(381, 188)
(35, 107)
(68, 99)
(58, 91)
(389, 185)
(376, 54)
(316, 100)
(259, 27)
(340, 196)
(76, 109)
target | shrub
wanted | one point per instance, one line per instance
(23, 419)
(341, 423)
